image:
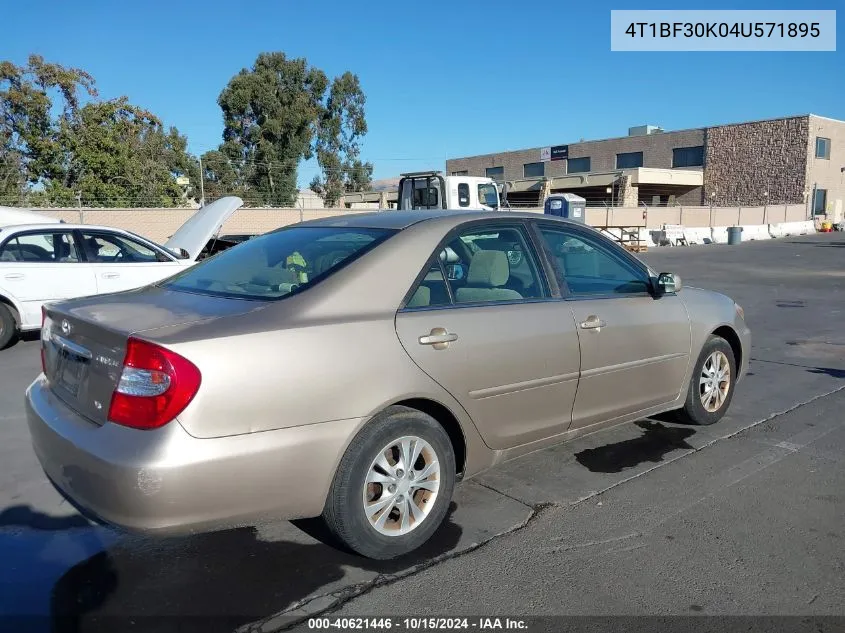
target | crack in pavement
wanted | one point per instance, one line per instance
(336, 599)
(332, 601)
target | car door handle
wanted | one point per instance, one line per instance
(110, 275)
(14, 276)
(592, 323)
(438, 338)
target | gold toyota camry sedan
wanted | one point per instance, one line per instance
(354, 368)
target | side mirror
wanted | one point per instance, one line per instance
(667, 283)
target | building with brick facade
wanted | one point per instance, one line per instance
(789, 160)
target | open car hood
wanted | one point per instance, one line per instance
(194, 234)
(10, 216)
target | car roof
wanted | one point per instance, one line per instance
(59, 226)
(394, 219)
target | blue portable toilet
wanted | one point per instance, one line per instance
(566, 205)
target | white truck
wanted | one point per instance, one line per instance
(433, 190)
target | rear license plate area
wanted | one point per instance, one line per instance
(71, 370)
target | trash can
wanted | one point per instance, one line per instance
(734, 234)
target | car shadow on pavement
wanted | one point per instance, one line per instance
(656, 441)
(215, 581)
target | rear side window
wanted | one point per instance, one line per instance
(463, 195)
(484, 264)
(42, 247)
(276, 264)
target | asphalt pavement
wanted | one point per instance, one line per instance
(652, 518)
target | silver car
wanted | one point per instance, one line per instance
(355, 368)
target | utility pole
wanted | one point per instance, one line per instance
(202, 184)
(79, 206)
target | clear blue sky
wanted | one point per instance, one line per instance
(441, 78)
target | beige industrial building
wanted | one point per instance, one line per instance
(789, 160)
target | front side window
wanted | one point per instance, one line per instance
(111, 248)
(482, 264)
(629, 160)
(533, 170)
(462, 172)
(463, 194)
(488, 195)
(587, 267)
(822, 147)
(276, 264)
(42, 247)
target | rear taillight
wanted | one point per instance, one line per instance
(155, 386)
(44, 334)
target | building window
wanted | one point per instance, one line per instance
(463, 194)
(578, 165)
(496, 173)
(688, 156)
(822, 147)
(533, 170)
(820, 202)
(629, 160)
(461, 173)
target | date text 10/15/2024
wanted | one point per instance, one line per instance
(400, 624)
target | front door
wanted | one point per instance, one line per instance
(43, 265)
(634, 347)
(482, 324)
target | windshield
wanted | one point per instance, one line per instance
(274, 265)
(488, 196)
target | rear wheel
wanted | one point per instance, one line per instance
(712, 384)
(8, 326)
(393, 486)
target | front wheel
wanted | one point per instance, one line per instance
(712, 383)
(393, 486)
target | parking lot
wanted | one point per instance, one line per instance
(741, 518)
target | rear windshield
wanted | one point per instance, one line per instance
(274, 265)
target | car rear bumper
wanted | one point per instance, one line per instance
(167, 481)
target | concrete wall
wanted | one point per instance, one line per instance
(656, 149)
(827, 173)
(159, 224)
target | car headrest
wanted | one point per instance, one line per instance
(449, 256)
(489, 269)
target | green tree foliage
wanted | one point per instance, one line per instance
(278, 113)
(110, 153)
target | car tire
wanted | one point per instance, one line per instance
(708, 401)
(378, 508)
(8, 326)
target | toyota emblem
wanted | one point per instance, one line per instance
(65, 327)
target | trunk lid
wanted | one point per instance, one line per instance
(195, 233)
(84, 340)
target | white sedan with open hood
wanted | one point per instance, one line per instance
(43, 260)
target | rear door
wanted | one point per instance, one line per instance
(482, 322)
(120, 262)
(634, 347)
(43, 265)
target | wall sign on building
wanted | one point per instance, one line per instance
(559, 152)
(545, 153)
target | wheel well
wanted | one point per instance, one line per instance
(728, 333)
(15, 315)
(447, 420)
